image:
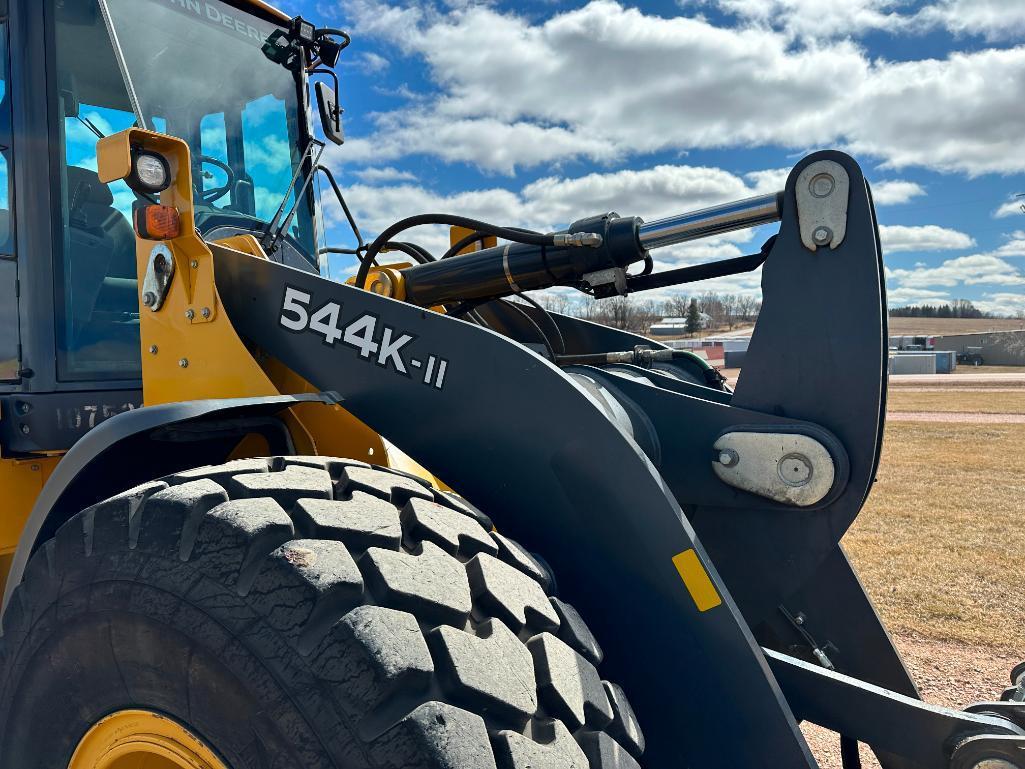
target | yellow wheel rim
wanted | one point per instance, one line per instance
(140, 739)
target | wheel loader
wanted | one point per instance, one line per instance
(257, 518)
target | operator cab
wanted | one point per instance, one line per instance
(196, 69)
(201, 76)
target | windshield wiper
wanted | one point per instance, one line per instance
(91, 126)
(277, 226)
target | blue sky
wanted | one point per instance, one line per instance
(540, 112)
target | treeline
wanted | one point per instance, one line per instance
(725, 311)
(959, 308)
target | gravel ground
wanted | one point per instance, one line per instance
(950, 416)
(971, 380)
(949, 674)
(938, 389)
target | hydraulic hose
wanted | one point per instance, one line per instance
(517, 236)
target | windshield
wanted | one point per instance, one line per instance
(198, 72)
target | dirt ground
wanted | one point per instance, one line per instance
(940, 549)
(949, 674)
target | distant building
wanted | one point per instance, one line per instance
(995, 348)
(677, 326)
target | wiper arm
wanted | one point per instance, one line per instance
(277, 226)
(119, 54)
(91, 126)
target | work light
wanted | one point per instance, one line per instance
(150, 172)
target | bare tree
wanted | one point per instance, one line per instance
(729, 309)
(557, 303)
(711, 304)
(622, 312)
(676, 306)
(747, 308)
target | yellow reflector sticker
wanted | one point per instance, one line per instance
(698, 583)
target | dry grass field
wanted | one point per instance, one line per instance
(958, 400)
(940, 547)
(940, 543)
(940, 326)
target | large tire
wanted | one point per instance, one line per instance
(305, 613)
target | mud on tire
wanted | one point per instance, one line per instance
(306, 612)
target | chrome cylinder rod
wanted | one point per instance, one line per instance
(716, 220)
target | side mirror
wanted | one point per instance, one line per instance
(330, 113)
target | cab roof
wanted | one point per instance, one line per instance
(266, 8)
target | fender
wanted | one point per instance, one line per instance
(127, 450)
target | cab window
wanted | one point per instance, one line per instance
(95, 274)
(9, 330)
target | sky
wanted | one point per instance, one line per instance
(537, 113)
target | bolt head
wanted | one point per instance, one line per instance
(149, 299)
(152, 349)
(822, 235)
(205, 312)
(194, 264)
(190, 313)
(822, 185)
(25, 429)
(184, 363)
(729, 458)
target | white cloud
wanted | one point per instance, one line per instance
(977, 269)
(385, 175)
(1015, 245)
(771, 180)
(902, 296)
(604, 82)
(993, 19)
(929, 237)
(818, 19)
(1014, 207)
(1003, 304)
(895, 191)
(372, 63)
(651, 193)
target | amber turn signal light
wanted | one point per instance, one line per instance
(156, 222)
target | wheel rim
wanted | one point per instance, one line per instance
(141, 739)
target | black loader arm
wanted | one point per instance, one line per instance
(707, 523)
(516, 435)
